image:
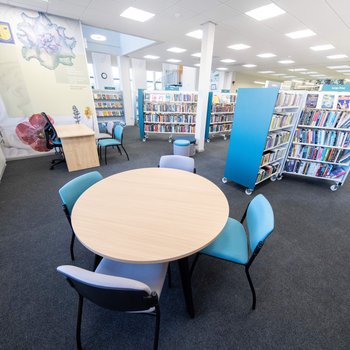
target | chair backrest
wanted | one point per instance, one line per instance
(111, 292)
(260, 220)
(72, 190)
(177, 162)
(118, 133)
(109, 127)
(50, 132)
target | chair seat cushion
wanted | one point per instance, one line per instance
(108, 142)
(231, 244)
(57, 142)
(153, 275)
(181, 143)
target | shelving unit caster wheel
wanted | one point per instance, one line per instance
(208, 140)
(248, 192)
(279, 177)
(224, 180)
(225, 138)
(170, 140)
(273, 178)
(334, 187)
(144, 139)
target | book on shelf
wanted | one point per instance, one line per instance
(276, 138)
(343, 102)
(170, 97)
(311, 100)
(288, 99)
(272, 155)
(281, 120)
(322, 137)
(170, 128)
(155, 107)
(344, 156)
(267, 171)
(327, 101)
(314, 169)
(315, 153)
(169, 118)
(322, 118)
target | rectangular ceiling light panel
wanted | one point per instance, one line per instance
(137, 14)
(265, 12)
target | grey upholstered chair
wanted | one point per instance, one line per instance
(177, 162)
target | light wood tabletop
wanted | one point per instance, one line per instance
(73, 130)
(150, 215)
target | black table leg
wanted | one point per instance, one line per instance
(186, 285)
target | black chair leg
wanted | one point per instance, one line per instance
(78, 330)
(251, 286)
(106, 155)
(120, 152)
(169, 276)
(125, 152)
(72, 246)
(156, 335)
(97, 261)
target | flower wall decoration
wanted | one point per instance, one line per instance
(32, 132)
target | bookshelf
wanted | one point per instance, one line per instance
(167, 112)
(109, 106)
(261, 135)
(220, 114)
(321, 146)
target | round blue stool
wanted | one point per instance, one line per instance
(192, 140)
(181, 147)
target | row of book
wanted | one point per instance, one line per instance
(104, 96)
(267, 171)
(110, 113)
(314, 169)
(154, 107)
(227, 118)
(222, 108)
(272, 155)
(170, 97)
(224, 99)
(168, 118)
(220, 128)
(319, 153)
(276, 138)
(170, 128)
(108, 105)
(333, 119)
(288, 99)
(281, 120)
(323, 137)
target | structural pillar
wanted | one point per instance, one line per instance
(139, 79)
(102, 66)
(124, 74)
(204, 81)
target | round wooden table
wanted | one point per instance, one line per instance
(151, 215)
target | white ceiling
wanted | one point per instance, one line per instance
(329, 19)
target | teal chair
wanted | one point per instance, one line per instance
(70, 193)
(232, 243)
(116, 140)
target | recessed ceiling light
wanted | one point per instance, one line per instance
(136, 14)
(249, 65)
(339, 67)
(151, 57)
(301, 34)
(322, 47)
(98, 37)
(227, 60)
(221, 68)
(197, 64)
(279, 74)
(343, 70)
(266, 71)
(304, 73)
(259, 82)
(197, 34)
(265, 12)
(290, 76)
(239, 47)
(286, 62)
(266, 55)
(297, 81)
(197, 54)
(297, 69)
(311, 72)
(176, 50)
(173, 60)
(335, 57)
(317, 75)
(346, 73)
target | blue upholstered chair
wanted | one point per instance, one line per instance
(177, 162)
(116, 140)
(118, 286)
(232, 243)
(70, 193)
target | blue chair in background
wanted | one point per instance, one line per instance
(70, 193)
(232, 243)
(118, 286)
(116, 140)
(177, 162)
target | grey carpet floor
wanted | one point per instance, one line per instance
(301, 275)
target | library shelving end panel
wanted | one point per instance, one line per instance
(210, 101)
(254, 108)
(141, 120)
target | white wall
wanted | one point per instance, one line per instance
(245, 81)
(189, 79)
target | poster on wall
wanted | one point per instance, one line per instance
(43, 69)
(343, 102)
(327, 101)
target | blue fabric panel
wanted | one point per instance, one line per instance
(140, 110)
(108, 142)
(207, 126)
(260, 220)
(253, 112)
(118, 132)
(231, 244)
(72, 190)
